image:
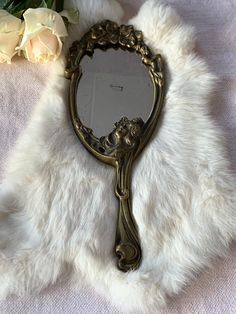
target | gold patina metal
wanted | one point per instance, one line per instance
(128, 138)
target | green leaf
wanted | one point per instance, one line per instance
(5, 4)
(16, 6)
(71, 15)
(19, 14)
(50, 3)
(2, 3)
(43, 4)
(35, 4)
(14, 9)
(16, 2)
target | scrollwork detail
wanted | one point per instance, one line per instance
(105, 35)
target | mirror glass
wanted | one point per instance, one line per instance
(114, 84)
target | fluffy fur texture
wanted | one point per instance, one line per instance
(57, 206)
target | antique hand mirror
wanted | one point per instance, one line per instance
(106, 91)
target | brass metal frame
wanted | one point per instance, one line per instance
(126, 141)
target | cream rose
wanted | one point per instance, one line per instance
(41, 41)
(10, 31)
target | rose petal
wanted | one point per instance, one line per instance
(40, 18)
(4, 58)
(8, 22)
(49, 40)
(10, 29)
(28, 52)
(8, 43)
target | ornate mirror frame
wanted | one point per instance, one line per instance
(128, 138)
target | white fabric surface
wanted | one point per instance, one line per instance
(214, 291)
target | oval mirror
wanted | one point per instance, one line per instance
(115, 101)
(114, 84)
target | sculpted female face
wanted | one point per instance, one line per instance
(128, 130)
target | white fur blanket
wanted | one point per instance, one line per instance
(57, 204)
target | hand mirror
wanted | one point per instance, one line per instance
(105, 92)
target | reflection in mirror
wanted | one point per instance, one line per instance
(114, 84)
